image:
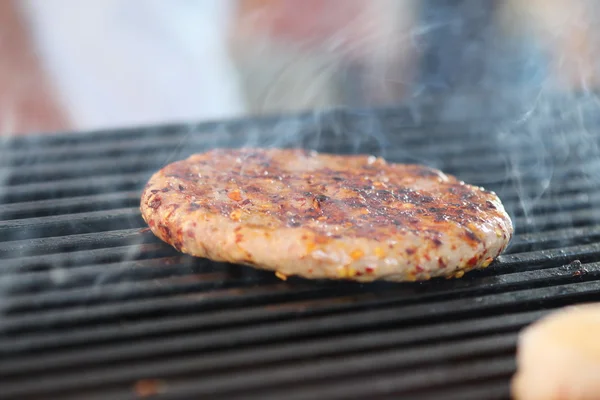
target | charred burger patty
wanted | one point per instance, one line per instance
(315, 215)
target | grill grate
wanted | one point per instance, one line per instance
(91, 304)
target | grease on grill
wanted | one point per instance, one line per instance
(149, 387)
(580, 269)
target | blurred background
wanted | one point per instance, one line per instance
(69, 65)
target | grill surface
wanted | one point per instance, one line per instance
(92, 306)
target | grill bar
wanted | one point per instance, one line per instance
(95, 221)
(406, 382)
(89, 275)
(62, 244)
(104, 220)
(153, 269)
(386, 313)
(491, 389)
(127, 165)
(155, 288)
(570, 192)
(72, 187)
(127, 182)
(273, 350)
(564, 201)
(167, 147)
(148, 269)
(72, 205)
(47, 262)
(91, 302)
(429, 375)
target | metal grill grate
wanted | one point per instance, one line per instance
(94, 307)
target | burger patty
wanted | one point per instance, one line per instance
(315, 215)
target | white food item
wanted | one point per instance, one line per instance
(558, 357)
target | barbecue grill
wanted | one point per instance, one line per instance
(92, 305)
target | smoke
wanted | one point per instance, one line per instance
(399, 79)
(517, 79)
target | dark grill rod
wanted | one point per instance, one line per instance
(94, 202)
(490, 389)
(102, 167)
(571, 186)
(463, 154)
(124, 182)
(556, 237)
(348, 365)
(133, 236)
(170, 325)
(267, 352)
(114, 136)
(146, 269)
(84, 258)
(84, 151)
(559, 201)
(73, 187)
(70, 205)
(519, 262)
(394, 383)
(124, 291)
(95, 221)
(147, 307)
(89, 169)
(64, 244)
(74, 243)
(212, 284)
(328, 124)
(386, 314)
(168, 145)
(35, 283)
(588, 216)
(436, 374)
(125, 218)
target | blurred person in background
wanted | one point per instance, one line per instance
(74, 65)
(380, 52)
(28, 101)
(318, 53)
(113, 63)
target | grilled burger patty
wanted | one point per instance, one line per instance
(325, 216)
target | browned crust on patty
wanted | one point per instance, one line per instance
(325, 216)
